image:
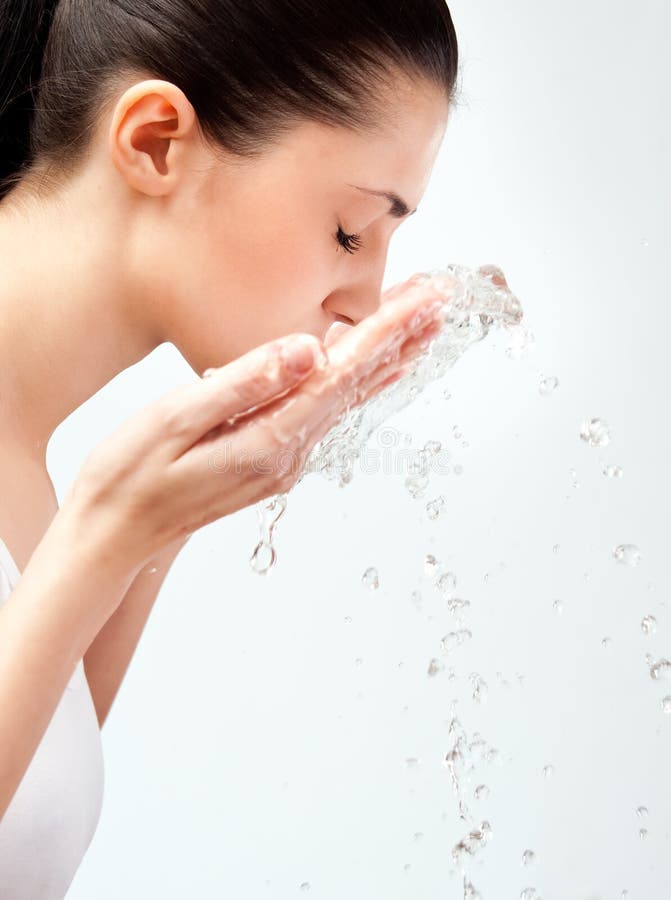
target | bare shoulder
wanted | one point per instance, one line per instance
(28, 502)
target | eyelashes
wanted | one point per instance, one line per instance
(349, 242)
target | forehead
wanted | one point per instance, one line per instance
(398, 153)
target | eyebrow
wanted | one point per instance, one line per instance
(398, 208)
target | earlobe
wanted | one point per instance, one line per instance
(146, 136)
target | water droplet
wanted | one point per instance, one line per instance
(529, 894)
(641, 811)
(660, 670)
(624, 895)
(412, 762)
(371, 579)
(648, 624)
(305, 886)
(348, 620)
(406, 867)
(435, 508)
(208, 373)
(481, 792)
(447, 395)
(548, 771)
(558, 606)
(475, 840)
(521, 343)
(430, 564)
(418, 835)
(435, 666)
(528, 857)
(548, 386)
(595, 432)
(643, 833)
(606, 642)
(416, 485)
(666, 705)
(612, 471)
(556, 548)
(456, 606)
(263, 558)
(480, 688)
(358, 661)
(416, 598)
(470, 893)
(446, 583)
(433, 447)
(455, 639)
(152, 570)
(458, 470)
(627, 554)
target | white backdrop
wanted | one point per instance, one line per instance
(248, 754)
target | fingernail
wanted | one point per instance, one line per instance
(302, 354)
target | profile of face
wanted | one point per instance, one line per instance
(228, 253)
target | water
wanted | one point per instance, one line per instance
(475, 302)
(627, 554)
(595, 432)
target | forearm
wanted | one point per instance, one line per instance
(67, 591)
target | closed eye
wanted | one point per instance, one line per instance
(349, 242)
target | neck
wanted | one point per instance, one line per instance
(69, 322)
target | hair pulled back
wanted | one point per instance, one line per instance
(250, 68)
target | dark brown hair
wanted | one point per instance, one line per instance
(250, 68)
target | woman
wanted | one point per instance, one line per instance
(225, 175)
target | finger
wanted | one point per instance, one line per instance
(363, 347)
(335, 331)
(253, 380)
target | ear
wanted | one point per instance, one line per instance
(147, 135)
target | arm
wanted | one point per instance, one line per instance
(67, 591)
(108, 657)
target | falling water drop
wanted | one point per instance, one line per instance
(612, 471)
(548, 771)
(446, 583)
(528, 857)
(435, 666)
(430, 564)
(666, 705)
(558, 606)
(660, 670)
(648, 624)
(370, 579)
(481, 792)
(435, 508)
(595, 432)
(627, 554)
(548, 386)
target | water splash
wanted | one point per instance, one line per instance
(476, 301)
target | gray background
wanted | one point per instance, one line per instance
(247, 753)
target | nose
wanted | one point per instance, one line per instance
(358, 294)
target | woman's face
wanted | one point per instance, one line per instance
(254, 250)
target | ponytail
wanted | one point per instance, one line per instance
(24, 28)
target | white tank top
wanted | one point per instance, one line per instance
(54, 813)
